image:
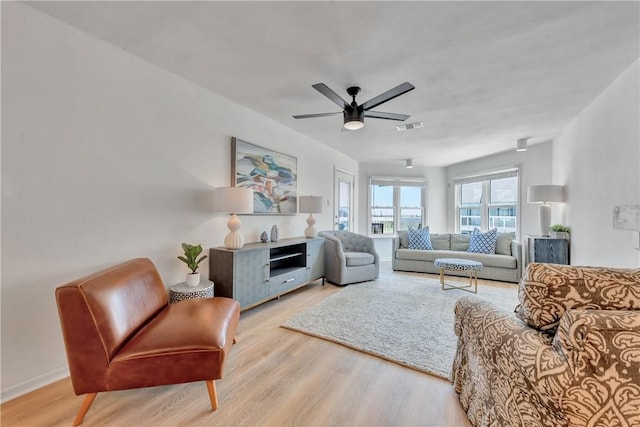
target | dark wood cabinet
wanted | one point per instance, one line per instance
(548, 250)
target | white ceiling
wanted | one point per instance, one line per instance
(486, 73)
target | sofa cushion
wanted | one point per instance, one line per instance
(403, 235)
(113, 294)
(460, 242)
(356, 259)
(419, 239)
(483, 243)
(499, 261)
(163, 353)
(438, 241)
(503, 243)
(546, 291)
(441, 242)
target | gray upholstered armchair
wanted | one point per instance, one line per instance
(349, 257)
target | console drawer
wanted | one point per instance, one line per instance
(287, 280)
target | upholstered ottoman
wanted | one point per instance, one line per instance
(459, 265)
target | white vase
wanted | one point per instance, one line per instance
(274, 233)
(193, 279)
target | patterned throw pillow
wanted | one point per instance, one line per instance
(420, 239)
(483, 243)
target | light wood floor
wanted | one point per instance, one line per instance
(273, 377)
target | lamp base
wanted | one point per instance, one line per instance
(310, 231)
(544, 218)
(234, 239)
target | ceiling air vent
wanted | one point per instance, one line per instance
(414, 125)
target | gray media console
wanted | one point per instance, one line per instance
(259, 272)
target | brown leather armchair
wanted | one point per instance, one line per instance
(121, 333)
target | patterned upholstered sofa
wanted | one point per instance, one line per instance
(505, 265)
(569, 356)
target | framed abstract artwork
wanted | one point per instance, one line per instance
(271, 175)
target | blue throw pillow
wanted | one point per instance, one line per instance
(420, 239)
(483, 243)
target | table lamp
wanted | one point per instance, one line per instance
(233, 200)
(310, 205)
(545, 194)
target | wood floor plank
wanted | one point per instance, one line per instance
(273, 377)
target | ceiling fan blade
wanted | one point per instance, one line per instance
(308, 116)
(388, 95)
(324, 89)
(388, 116)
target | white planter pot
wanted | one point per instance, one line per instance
(559, 235)
(193, 279)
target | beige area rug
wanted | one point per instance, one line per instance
(402, 317)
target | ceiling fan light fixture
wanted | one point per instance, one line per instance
(353, 118)
(353, 125)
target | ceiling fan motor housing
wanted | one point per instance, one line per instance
(353, 115)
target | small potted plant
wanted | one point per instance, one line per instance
(559, 231)
(190, 258)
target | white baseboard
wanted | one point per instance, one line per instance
(25, 387)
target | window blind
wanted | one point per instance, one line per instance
(398, 182)
(487, 176)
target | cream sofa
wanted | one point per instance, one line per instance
(568, 357)
(505, 265)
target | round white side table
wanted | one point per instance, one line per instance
(182, 291)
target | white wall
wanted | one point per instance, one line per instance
(597, 158)
(534, 169)
(106, 157)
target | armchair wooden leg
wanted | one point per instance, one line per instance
(211, 388)
(235, 339)
(86, 404)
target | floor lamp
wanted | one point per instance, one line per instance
(545, 194)
(310, 205)
(233, 200)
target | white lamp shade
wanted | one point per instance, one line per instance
(237, 200)
(545, 193)
(310, 204)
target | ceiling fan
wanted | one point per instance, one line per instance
(353, 113)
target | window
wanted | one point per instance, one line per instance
(396, 204)
(487, 201)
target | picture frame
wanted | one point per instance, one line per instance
(272, 175)
(377, 228)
